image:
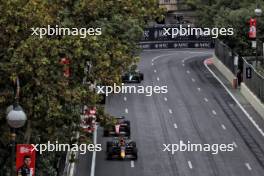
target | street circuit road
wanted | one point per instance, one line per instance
(196, 109)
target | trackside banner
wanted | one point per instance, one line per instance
(25, 160)
(179, 44)
(164, 37)
(252, 28)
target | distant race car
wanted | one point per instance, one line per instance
(133, 77)
(121, 128)
(121, 148)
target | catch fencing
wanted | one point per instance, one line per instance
(253, 80)
(225, 54)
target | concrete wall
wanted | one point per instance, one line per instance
(253, 99)
(223, 69)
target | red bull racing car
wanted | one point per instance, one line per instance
(121, 148)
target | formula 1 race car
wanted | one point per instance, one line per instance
(132, 77)
(121, 128)
(121, 148)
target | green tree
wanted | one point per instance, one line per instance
(234, 14)
(51, 101)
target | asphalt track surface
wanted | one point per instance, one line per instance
(196, 109)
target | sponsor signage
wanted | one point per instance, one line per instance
(248, 72)
(170, 45)
(236, 60)
(252, 28)
(157, 38)
(25, 159)
(159, 34)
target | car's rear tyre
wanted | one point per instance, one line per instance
(109, 156)
(128, 133)
(134, 152)
(109, 151)
(141, 77)
(106, 133)
(108, 146)
(128, 129)
(133, 144)
(127, 123)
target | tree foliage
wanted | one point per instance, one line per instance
(234, 14)
(51, 101)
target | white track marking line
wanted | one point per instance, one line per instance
(170, 111)
(173, 50)
(199, 89)
(126, 110)
(237, 102)
(175, 125)
(235, 145)
(190, 52)
(193, 80)
(223, 126)
(188, 72)
(94, 153)
(183, 65)
(206, 100)
(155, 71)
(214, 112)
(152, 63)
(190, 164)
(248, 166)
(158, 79)
(125, 98)
(165, 98)
(132, 164)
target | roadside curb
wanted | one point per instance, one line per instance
(252, 99)
(245, 91)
